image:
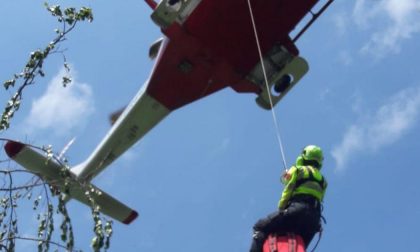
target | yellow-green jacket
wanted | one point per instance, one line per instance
(302, 180)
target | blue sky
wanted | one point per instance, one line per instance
(203, 176)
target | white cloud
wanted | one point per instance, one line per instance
(345, 58)
(401, 19)
(324, 94)
(222, 147)
(365, 10)
(61, 109)
(219, 149)
(381, 129)
(352, 142)
(341, 22)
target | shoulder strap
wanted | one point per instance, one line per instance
(311, 177)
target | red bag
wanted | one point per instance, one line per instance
(285, 243)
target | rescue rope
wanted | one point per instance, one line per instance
(276, 125)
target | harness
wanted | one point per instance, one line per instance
(311, 178)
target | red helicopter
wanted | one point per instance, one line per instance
(208, 45)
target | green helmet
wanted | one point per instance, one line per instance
(310, 153)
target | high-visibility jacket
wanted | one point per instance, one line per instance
(302, 180)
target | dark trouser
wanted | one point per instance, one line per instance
(300, 217)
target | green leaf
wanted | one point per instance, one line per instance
(69, 20)
(9, 83)
(85, 14)
(66, 80)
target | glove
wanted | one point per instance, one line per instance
(285, 177)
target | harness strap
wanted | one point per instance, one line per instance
(292, 242)
(311, 178)
(319, 239)
(273, 243)
(319, 233)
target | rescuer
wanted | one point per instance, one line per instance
(299, 209)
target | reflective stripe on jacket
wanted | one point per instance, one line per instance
(302, 180)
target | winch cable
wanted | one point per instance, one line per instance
(276, 124)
